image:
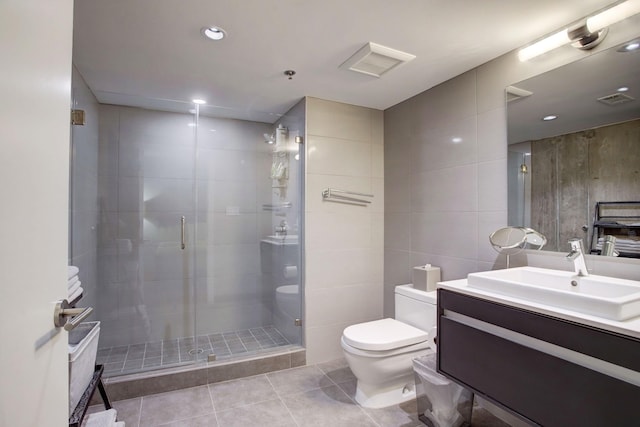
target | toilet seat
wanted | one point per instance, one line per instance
(383, 335)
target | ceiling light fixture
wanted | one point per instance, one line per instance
(585, 35)
(199, 101)
(630, 47)
(549, 117)
(622, 89)
(214, 33)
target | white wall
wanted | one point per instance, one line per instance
(344, 243)
(445, 198)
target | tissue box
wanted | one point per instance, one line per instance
(426, 277)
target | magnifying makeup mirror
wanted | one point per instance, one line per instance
(511, 240)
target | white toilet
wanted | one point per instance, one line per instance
(380, 352)
(287, 310)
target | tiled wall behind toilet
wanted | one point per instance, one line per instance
(344, 243)
(445, 167)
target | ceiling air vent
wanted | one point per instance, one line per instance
(616, 99)
(375, 60)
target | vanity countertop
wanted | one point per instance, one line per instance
(629, 327)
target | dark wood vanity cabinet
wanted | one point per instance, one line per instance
(526, 363)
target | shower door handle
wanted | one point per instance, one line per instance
(183, 220)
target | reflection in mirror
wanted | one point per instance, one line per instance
(508, 239)
(559, 169)
(534, 238)
(511, 240)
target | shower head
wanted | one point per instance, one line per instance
(269, 139)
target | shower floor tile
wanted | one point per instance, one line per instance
(152, 355)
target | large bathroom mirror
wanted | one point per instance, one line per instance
(574, 150)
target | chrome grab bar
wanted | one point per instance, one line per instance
(182, 225)
(63, 310)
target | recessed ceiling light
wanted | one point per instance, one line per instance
(623, 89)
(632, 46)
(456, 140)
(199, 101)
(213, 33)
(549, 117)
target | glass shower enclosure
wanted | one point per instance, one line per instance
(195, 223)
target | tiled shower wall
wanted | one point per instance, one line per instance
(445, 166)
(83, 216)
(146, 184)
(344, 243)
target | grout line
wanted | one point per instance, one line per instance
(283, 402)
(213, 405)
(368, 415)
(140, 411)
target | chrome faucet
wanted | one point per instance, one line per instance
(577, 256)
(281, 230)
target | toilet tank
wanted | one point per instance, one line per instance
(416, 308)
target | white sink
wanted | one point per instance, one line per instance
(607, 297)
(288, 239)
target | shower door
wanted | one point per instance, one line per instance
(187, 233)
(146, 241)
(247, 188)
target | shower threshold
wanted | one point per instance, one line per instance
(177, 352)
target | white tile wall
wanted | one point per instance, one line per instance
(456, 194)
(335, 156)
(344, 243)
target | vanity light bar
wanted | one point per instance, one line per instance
(545, 45)
(593, 24)
(611, 16)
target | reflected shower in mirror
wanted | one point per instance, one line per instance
(574, 141)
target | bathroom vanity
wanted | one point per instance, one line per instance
(549, 366)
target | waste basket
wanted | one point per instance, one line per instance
(441, 402)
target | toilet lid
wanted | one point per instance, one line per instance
(384, 334)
